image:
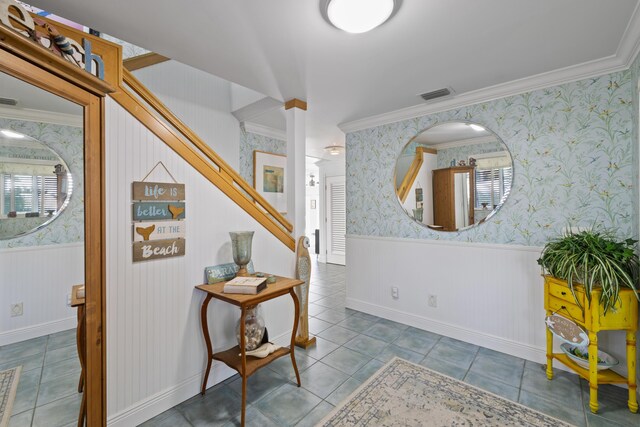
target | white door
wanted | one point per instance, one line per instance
(336, 220)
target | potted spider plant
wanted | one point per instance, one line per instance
(594, 259)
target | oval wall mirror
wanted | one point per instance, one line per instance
(36, 185)
(453, 176)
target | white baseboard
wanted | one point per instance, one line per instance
(524, 351)
(35, 331)
(167, 399)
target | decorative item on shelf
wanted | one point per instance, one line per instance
(241, 248)
(567, 330)
(263, 351)
(580, 355)
(418, 214)
(271, 279)
(462, 163)
(484, 205)
(303, 272)
(453, 162)
(12, 214)
(472, 161)
(245, 285)
(253, 328)
(224, 272)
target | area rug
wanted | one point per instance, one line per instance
(8, 386)
(405, 394)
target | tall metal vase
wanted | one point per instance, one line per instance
(241, 248)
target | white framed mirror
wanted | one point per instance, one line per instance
(453, 176)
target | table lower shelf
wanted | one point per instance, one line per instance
(606, 376)
(232, 359)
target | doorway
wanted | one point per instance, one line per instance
(42, 73)
(336, 219)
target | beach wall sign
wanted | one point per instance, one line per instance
(158, 212)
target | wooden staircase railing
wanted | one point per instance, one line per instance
(150, 111)
(142, 61)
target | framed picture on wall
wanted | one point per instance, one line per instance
(269, 174)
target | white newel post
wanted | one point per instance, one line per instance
(295, 112)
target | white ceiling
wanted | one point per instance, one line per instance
(284, 48)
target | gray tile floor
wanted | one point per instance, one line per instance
(48, 387)
(351, 346)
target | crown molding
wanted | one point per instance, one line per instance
(41, 116)
(628, 50)
(267, 131)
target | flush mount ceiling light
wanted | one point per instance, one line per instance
(334, 150)
(359, 16)
(11, 134)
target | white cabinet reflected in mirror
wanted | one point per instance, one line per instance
(453, 176)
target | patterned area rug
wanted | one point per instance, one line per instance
(404, 394)
(8, 386)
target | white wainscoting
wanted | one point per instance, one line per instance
(489, 295)
(155, 349)
(40, 277)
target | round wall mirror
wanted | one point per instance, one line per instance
(453, 176)
(35, 184)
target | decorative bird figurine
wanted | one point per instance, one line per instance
(303, 272)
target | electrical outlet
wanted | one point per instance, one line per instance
(16, 309)
(68, 300)
(432, 301)
(394, 292)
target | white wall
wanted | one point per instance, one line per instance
(202, 101)
(488, 294)
(155, 348)
(40, 277)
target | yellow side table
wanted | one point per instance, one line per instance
(623, 316)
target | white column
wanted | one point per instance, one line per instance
(295, 113)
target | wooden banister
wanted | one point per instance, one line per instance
(227, 170)
(143, 61)
(190, 152)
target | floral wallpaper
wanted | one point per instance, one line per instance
(573, 152)
(249, 142)
(68, 142)
(635, 77)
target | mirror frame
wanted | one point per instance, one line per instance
(23, 59)
(397, 190)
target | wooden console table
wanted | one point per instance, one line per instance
(624, 316)
(236, 357)
(77, 300)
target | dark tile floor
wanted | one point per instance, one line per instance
(351, 346)
(48, 387)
